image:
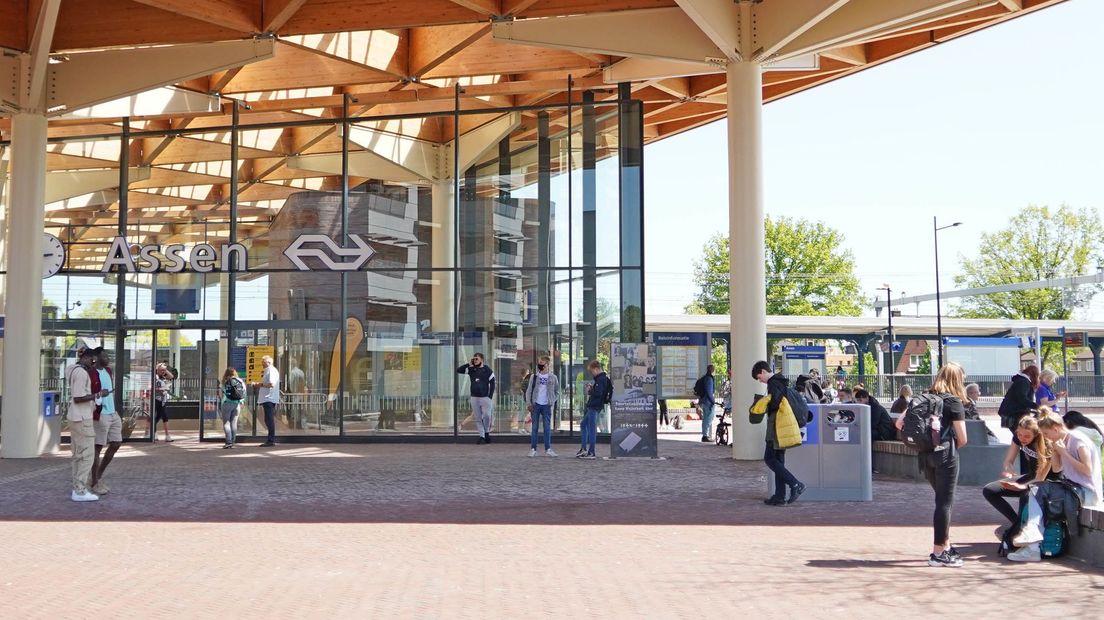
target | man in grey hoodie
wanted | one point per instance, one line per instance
(542, 394)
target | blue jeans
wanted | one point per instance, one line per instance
(270, 420)
(707, 418)
(589, 431)
(776, 462)
(542, 414)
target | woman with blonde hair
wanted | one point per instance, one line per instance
(1027, 442)
(1044, 394)
(233, 392)
(940, 466)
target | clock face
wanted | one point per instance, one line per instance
(53, 255)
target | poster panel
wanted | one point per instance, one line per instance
(633, 423)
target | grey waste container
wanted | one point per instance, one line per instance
(834, 460)
(49, 442)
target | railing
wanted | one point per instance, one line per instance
(887, 387)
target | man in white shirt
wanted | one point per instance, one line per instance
(542, 394)
(269, 398)
(109, 428)
(82, 430)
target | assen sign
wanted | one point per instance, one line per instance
(205, 258)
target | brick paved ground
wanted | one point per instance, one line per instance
(460, 531)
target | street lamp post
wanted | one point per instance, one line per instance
(892, 361)
(938, 302)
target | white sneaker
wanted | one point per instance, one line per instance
(1029, 553)
(84, 496)
(532, 452)
(550, 452)
(1028, 535)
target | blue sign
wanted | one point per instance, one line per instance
(237, 359)
(681, 339)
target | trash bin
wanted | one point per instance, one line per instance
(834, 460)
(50, 439)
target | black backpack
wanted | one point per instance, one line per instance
(918, 431)
(235, 389)
(699, 387)
(800, 407)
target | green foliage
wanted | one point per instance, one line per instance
(808, 272)
(925, 367)
(1039, 243)
(97, 309)
(869, 363)
(719, 358)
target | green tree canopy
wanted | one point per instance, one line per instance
(808, 272)
(1039, 243)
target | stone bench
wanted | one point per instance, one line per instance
(1089, 546)
(980, 462)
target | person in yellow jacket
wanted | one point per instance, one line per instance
(780, 434)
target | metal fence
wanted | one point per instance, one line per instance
(887, 387)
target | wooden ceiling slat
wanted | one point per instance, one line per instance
(240, 15)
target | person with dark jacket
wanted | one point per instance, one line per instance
(482, 394)
(882, 427)
(1019, 400)
(599, 394)
(774, 458)
(901, 405)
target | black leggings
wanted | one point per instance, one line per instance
(994, 494)
(941, 471)
(663, 412)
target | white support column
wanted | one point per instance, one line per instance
(747, 273)
(22, 422)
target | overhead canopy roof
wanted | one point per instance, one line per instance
(406, 57)
(828, 327)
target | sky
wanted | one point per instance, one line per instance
(971, 130)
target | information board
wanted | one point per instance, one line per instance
(633, 423)
(253, 369)
(682, 358)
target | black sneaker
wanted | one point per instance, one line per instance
(487, 438)
(775, 501)
(581, 453)
(954, 552)
(944, 559)
(795, 492)
(481, 441)
(706, 440)
(590, 456)
(268, 444)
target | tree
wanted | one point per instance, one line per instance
(98, 309)
(808, 272)
(1039, 243)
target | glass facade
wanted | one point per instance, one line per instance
(370, 254)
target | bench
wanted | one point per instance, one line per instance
(1089, 546)
(980, 462)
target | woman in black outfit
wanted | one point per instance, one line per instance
(940, 467)
(1019, 400)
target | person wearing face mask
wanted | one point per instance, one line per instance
(482, 394)
(542, 394)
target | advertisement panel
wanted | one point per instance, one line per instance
(682, 358)
(633, 424)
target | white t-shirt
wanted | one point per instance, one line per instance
(80, 384)
(270, 394)
(1092, 482)
(540, 388)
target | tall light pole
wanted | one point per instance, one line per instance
(892, 362)
(938, 302)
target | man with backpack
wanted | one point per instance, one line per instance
(704, 389)
(774, 457)
(599, 394)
